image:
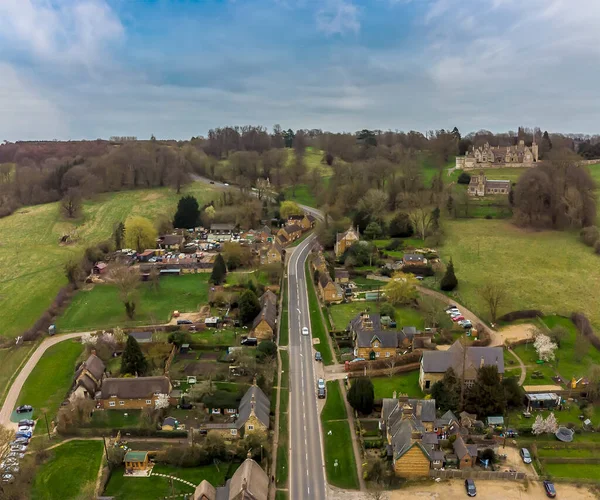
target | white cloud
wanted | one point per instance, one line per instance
(338, 17)
(65, 32)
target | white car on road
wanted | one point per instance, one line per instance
(304, 331)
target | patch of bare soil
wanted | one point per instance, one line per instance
(152, 197)
(516, 332)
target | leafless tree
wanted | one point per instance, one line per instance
(420, 217)
(495, 296)
(127, 280)
(391, 364)
(71, 203)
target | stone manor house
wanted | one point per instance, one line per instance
(499, 156)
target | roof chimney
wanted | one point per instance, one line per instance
(407, 411)
(419, 408)
(482, 362)
(394, 396)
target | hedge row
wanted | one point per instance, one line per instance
(524, 314)
(125, 431)
(582, 323)
(413, 357)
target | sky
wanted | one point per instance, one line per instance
(87, 69)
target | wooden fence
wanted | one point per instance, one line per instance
(476, 474)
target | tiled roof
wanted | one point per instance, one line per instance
(262, 407)
(135, 388)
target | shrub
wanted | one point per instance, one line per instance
(597, 247)
(523, 314)
(464, 178)
(589, 235)
(361, 395)
(449, 281)
(582, 323)
(395, 244)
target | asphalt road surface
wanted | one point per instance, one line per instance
(307, 470)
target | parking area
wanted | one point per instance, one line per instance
(490, 490)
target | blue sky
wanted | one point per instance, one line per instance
(72, 69)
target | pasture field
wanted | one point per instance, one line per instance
(50, 380)
(32, 261)
(101, 307)
(70, 472)
(547, 270)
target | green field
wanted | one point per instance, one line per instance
(405, 383)
(567, 452)
(316, 322)
(155, 487)
(101, 307)
(70, 472)
(574, 471)
(341, 314)
(283, 451)
(32, 260)
(51, 379)
(10, 360)
(115, 419)
(338, 446)
(243, 278)
(547, 270)
(334, 409)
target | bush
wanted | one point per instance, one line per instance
(401, 227)
(395, 244)
(597, 247)
(589, 235)
(464, 178)
(419, 270)
(523, 314)
(373, 443)
(449, 281)
(361, 395)
(582, 323)
(387, 309)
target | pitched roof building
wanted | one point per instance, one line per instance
(137, 392)
(254, 411)
(88, 377)
(480, 185)
(265, 323)
(435, 363)
(344, 240)
(373, 340)
(249, 482)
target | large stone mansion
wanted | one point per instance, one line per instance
(498, 157)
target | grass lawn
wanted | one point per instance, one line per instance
(405, 383)
(281, 495)
(302, 195)
(535, 267)
(334, 409)
(10, 360)
(338, 446)
(48, 383)
(101, 307)
(282, 451)
(367, 284)
(316, 322)
(71, 470)
(574, 471)
(115, 419)
(32, 261)
(529, 357)
(243, 278)
(341, 314)
(155, 487)
(284, 331)
(568, 452)
(285, 368)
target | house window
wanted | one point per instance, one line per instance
(427, 384)
(377, 354)
(216, 411)
(250, 427)
(387, 354)
(231, 410)
(234, 432)
(436, 462)
(469, 383)
(121, 403)
(148, 401)
(112, 403)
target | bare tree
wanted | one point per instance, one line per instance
(391, 364)
(71, 203)
(127, 280)
(495, 295)
(420, 217)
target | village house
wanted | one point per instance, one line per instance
(341, 276)
(249, 482)
(88, 377)
(272, 254)
(435, 363)
(305, 221)
(287, 234)
(253, 412)
(404, 422)
(265, 234)
(100, 268)
(414, 260)
(328, 290)
(221, 232)
(480, 185)
(268, 296)
(134, 393)
(265, 324)
(319, 263)
(142, 337)
(170, 241)
(466, 453)
(344, 240)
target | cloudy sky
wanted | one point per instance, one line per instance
(72, 69)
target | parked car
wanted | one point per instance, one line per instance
(226, 184)
(24, 428)
(460, 317)
(454, 313)
(321, 393)
(451, 306)
(8, 478)
(321, 383)
(549, 488)
(525, 455)
(18, 447)
(470, 487)
(29, 423)
(20, 441)
(318, 356)
(184, 322)
(24, 409)
(420, 278)
(14, 454)
(304, 331)
(186, 406)
(24, 434)
(467, 324)
(212, 182)
(250, 341)
(356, 360)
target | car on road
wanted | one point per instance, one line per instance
(226, 184)
(460, 317)
(525, 455)
(321, 393)
(549, 489)
(304, 331)
(27, 422)
(470, 487)
(212, 182)
(18, 447)
(318, 356)
(321, 383)
(24, 409)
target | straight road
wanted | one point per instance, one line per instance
(307, 469)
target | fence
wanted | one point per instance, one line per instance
(170, 360)
(385, 371)
(476, 474)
